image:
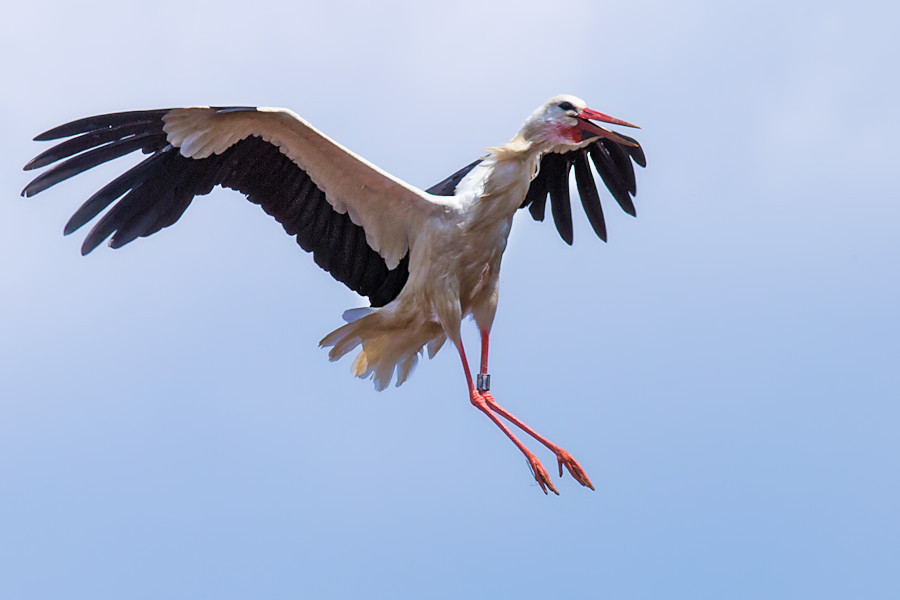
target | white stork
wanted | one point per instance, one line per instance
(425, 259)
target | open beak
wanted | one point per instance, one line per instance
(590, 130)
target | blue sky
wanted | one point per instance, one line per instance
(725, 369)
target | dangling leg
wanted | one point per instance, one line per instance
(485, 337)
(484, 379)
(562, 456)
(537, 469)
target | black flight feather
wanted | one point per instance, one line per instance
(156, 192)
(613, 162)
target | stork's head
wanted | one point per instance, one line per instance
(565, 121)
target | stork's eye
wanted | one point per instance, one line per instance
(566, 105)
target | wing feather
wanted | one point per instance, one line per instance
(99, 122)
(536, 198)
(389, 210)
(615, 181)
(87, 160)
(356, 220)
(447, 187)
(613, 163)
(590, 199)
(557, 168)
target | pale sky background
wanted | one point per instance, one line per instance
(726, 369)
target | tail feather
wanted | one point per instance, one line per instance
(406, 366)
(390, 343)
(435, 343)
(354, 314)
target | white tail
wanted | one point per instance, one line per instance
(389, 342)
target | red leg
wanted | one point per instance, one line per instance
(537, 469)
(484, 350)
(562, 456)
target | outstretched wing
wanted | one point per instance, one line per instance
(613, 162)
(357, 220)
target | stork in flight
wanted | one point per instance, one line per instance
(425, 259)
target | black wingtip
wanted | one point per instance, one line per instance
(636, 152)
(90, 243)
(56, 133)
(35, 187)
(101, 122)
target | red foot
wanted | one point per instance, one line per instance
(537, 469)
(540, 474)
(562, 456)
(573, 467)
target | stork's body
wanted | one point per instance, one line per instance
(454, 269)
(426, 259)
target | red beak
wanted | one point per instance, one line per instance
(589, 130)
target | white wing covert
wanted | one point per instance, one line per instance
(357, 220)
